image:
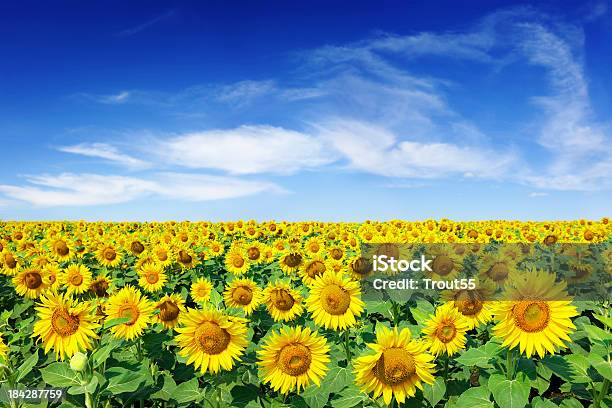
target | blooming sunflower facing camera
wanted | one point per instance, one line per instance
(445, 331)
(398, 366)
(76, 279)
(102, 286)
(283, 302)
(210, 340)
(129, 303)
(474, 304)
(535, 314)
(31, 282)
(243, 294)
(200, 290)
(64, 325)
(108, 255)
(236, 261)
(291, 359)
(152, 277)
(334, 301)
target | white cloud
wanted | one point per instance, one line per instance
(69, 189)
(245, 150)
(107, 152)
(538, 194)
(376, 150)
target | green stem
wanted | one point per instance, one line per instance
(139, 348)
(604, 391)
(509, 364)
(446, 369)
(347, 347)
(219, 397)
(89, 400)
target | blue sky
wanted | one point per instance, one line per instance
(321, 110)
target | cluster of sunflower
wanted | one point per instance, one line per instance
(84, 275)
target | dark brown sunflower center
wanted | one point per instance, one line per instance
(294, 359)
(315, 269)
(531, 316)
(335, 300)
(390, 250)
(10, 261)
(293, 260)
(61, 248)
(336, 253)
(99, 288)
(469, 307)
(446, 332)
(212, 338)
(129, 312)
(253, 253)
(33, 280)
(137, 247)
(168, 311)
(110, 254)
(498, 272)
(442, 265)
(395, 366)
(184, 257)
(64, 323)
(242, 295)
(282, 299)
(361, 266)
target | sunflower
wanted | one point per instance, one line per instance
(65, 325)
(445, 331)
(170, 309)
(108, 255)
(498, 268)
(236, 261)
(76, 279)
(162, 254)
(398, 366)
(53, 273)
(283, 302)
(152, 277)
(335, 301)
(31, 282)
(129, 303)
(445, 264)
(102, 286)
(313, 267)
(290, 261)
(200, 290)
(314, 246)
(475, 305)
(10, 263)
(360, 268)
(4, 350)
(185, 257)
(293, 358)
(61, 248)
(535, 314)
(243, 294)
(254, 252)
(215, 248)
(211, 340)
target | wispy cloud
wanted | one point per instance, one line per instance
(536, 194)
(69, 189)
(141, 27)
(107, 152)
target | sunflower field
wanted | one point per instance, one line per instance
(279, 314)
